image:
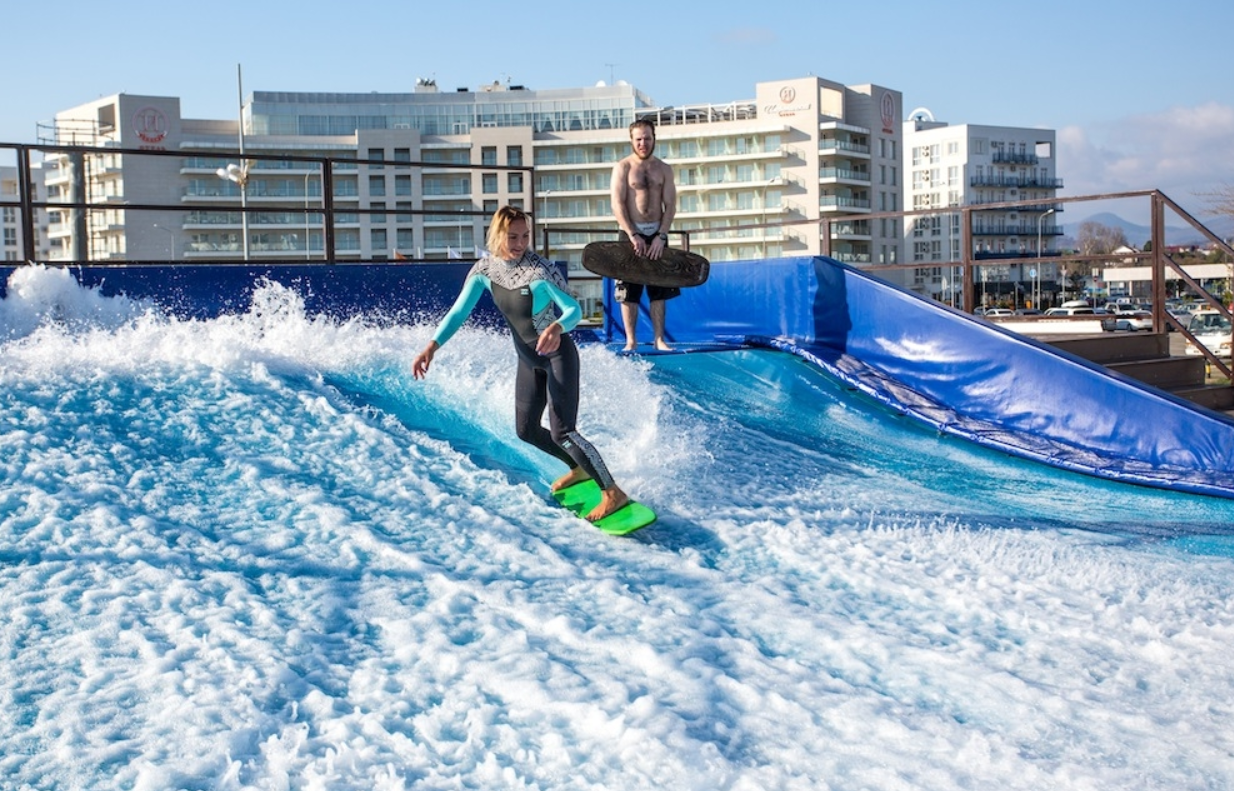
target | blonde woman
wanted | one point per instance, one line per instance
(531, 294)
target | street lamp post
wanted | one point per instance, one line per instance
(240, 173)
(171, 242)
(307, 254)
(1040, 261)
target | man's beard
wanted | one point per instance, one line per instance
(646, 156)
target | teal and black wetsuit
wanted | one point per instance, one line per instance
(531, 294)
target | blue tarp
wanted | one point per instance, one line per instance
(956, 373)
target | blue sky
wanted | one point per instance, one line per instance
(1141, 96)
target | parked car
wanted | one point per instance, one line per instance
(1076, 311)
(997, 312)
(1211, 329)
(1131, 321)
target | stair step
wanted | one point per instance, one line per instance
(1169, 373)
(1115, 347)
(1218, 397)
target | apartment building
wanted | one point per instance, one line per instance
(970, 165)
(754, 177)
(10, 228)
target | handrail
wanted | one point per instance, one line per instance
(326, 166)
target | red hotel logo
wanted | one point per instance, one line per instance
(787, 94)
(889, 113)
(150, 124)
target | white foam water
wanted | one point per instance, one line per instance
(254, 553)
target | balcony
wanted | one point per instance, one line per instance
(1030, 182)
(838, 203)
(1002, 156)
(1015, 229)
(833, 175)
(831, 145)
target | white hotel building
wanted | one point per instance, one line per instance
(970, 165)
(754, 177)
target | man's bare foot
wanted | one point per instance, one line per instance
(630, 347)
(576, 475)
(611, 500)
(662, 346)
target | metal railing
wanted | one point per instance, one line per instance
(322, 169)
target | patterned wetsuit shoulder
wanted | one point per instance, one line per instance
(519, 274)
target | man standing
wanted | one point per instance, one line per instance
(644, 201)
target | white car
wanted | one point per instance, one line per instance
(1133, 320)
(1211, 329)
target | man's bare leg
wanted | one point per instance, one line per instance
(576, 475)
(629, 317)
(611, 499)
(658, 313)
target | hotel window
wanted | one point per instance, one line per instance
(376, 154)
(378, 236)
(488, 155)
(514, 156)
(377, 185)
(402, 185)
(514, 182)
(488, 183)
(377, 217)
(402, 155)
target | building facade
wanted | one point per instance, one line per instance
(754, 177)
(970, 165)
(10, 228)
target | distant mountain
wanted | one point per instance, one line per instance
(1137, 235)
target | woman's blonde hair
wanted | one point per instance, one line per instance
(503, 218)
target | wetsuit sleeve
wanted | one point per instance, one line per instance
(571, 312)
(458, 313)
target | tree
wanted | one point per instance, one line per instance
(1220, 201)
(1096, 238)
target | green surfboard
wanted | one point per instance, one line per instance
(582, 497)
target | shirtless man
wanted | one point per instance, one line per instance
(644, 201)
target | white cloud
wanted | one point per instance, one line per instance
(1181, 151)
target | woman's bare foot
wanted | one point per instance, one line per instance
(662, 346)
(630, 347)
(576, 475)
(611, 499)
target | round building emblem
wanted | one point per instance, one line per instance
(888, 110)
(150, 124)
(787, 94)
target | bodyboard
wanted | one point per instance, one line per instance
(675, 268)
(582, 497)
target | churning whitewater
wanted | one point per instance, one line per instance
(253, 553)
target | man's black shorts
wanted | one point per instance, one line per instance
(632, 292)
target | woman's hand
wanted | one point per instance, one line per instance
(550, 339)
(419, 366)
